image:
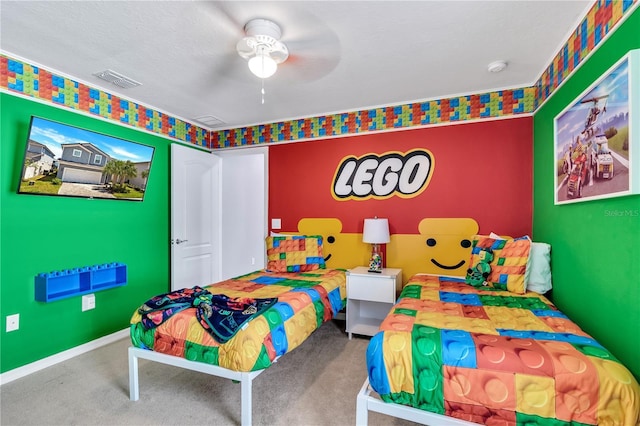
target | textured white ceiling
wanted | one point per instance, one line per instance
(344, 55)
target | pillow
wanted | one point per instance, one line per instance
(538, 275)
(294, 253)
(509, 262)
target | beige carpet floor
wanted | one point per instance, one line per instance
(315, 384)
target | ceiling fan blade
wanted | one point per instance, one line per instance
(311, 58)
(230, 67)
(308, 67)
(223, 19)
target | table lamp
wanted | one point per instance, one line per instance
(376, 232)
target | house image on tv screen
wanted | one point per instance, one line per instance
(82, 163)
(40, 159)
(65, 160)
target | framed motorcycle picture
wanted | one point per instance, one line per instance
(597, 152)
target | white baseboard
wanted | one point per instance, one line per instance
(25, 370)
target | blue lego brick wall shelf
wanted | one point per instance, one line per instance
(58, 285)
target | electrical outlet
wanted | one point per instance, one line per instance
(88, 302)
(13, 322)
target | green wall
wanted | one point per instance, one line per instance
(43, 234)
(595, 244)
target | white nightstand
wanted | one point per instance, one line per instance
(370, 297)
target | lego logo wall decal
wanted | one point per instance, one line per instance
(405, 175)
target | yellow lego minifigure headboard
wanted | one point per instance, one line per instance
(442, 247)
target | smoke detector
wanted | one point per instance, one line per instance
(497, 66)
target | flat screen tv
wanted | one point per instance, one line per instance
(64, 160)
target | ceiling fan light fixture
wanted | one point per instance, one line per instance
(261, 47)
(262, 65)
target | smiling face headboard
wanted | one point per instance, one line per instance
(443, 247)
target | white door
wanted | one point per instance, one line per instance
(195, 217)
(244, 213)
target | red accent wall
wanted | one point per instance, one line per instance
(481, 170)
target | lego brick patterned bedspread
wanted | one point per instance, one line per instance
(293, 306)
(495, 357)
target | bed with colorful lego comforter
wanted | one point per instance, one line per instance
(240, 324)
(489, 356)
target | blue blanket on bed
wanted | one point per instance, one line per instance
(221, 316)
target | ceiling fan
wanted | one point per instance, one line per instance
(262, 47)
(271, 37)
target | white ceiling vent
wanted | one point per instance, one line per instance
(210, 121)
(117, 79)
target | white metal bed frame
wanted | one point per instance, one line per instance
(245, 378)
(367, 402)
